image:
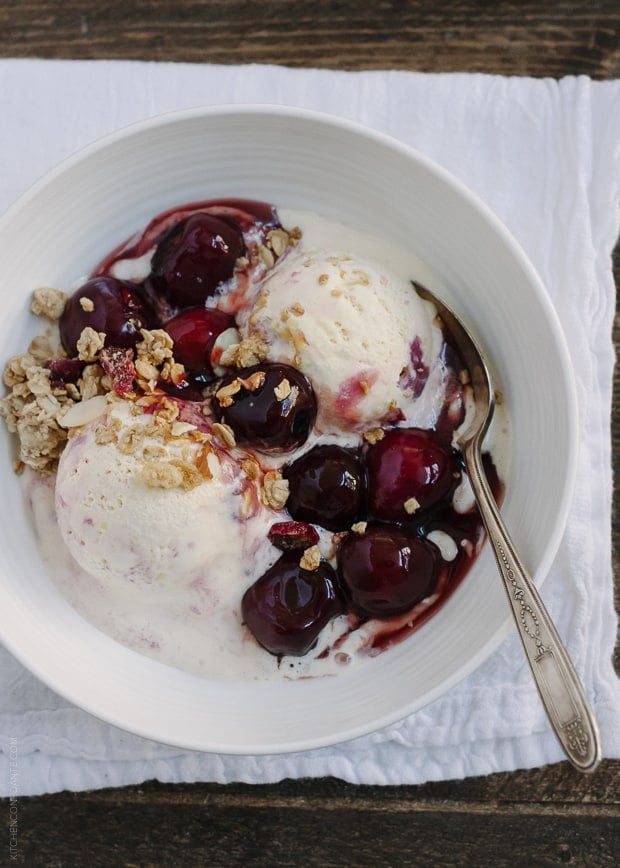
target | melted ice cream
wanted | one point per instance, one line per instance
(163, 570)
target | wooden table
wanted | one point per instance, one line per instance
(548, 816)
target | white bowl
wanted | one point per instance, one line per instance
(59, 230)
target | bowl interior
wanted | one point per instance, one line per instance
(68, 221)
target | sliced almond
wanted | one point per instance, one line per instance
(278, 239)
(282, 390)
(84, 412)
(267, 256)
(224, 434)
(177, 429)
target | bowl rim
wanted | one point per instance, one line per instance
(93, 704)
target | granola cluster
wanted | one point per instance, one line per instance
(49, 395)
(276, 243)
(275, 490)
(35, 404)
(170, 453)
(173, 453)
(45, 387)
(48, 400)
(33, 410)
(244, 354)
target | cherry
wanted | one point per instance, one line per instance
(117, 310)
(386, 570)
(409, 471)
(327, 486)
(189, 389)
(194, 332)
(63, 371)
(271, 407)
(287, 607)
(194, 257)
(288, 535)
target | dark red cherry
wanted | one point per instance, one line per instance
(409, 470)
(63, 371)
(327, 486)
(288, 606)
(195, 257)
(271, 407)
(117, 310)
(289, 535)
(187, 390)
(386, 570)
(194, 332)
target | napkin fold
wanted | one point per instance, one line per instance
(545, 156)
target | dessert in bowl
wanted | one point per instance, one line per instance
(289, 288)
(241, 436)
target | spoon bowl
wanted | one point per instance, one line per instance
(554, 673)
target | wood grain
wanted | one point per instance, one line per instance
(541, 817)
(512, 38)
(521, 819)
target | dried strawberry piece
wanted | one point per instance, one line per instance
(287, 535)
(118, 365)
(63, 371)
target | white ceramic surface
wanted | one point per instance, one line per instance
(294, 158)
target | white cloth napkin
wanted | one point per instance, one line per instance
(545, 155)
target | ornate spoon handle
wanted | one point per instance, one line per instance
(555, 676)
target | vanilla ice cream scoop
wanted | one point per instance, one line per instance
(357, 330)
(137, 506)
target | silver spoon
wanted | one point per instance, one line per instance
(556, 679)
